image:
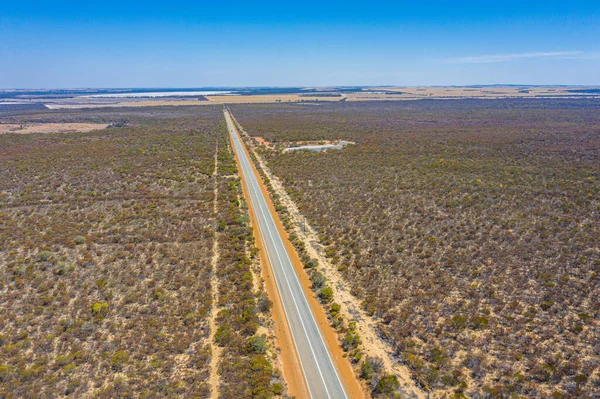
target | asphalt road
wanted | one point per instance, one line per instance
(318, 369)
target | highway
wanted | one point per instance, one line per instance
(319, 372)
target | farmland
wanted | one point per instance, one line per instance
(469, 229)
(106, 241)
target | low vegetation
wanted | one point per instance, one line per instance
(105, 250)
(470, 229)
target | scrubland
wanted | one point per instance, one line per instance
(469, 228)
(105, 259)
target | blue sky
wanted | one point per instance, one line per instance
(58, 44)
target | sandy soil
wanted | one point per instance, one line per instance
(50, 127)
(296, 384)
(214, 290)
(262, 141)
(268, 144)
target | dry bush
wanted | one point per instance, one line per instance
(105, 248)
(245, 370)
(470, 229)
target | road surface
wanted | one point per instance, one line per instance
(318, 369)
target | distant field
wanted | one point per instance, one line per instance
(484, 91)
(118, 104)
(268, 98)
(76, 99)
(470, 228)
(26, 128)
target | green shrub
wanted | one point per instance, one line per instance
(351, 340)
(257, 344)
(223, 335)
(44, 256)
(99, 310)
(366, 370)
(370, 367)
(318, 280)
(458, 321)
(334, 310)
(388, 384)
(479, 322)
(72, 387)
(278, 388)
(326, 294)
(118, 359)
(99, 307)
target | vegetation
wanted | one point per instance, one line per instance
(105, 250)
(470, 229)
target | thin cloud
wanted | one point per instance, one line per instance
(519, 56)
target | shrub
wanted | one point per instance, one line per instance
(317, 279)
(118, 358)
(366, 370)
(72, 386)
(326, 294)
(388, 384)
(278, 388)
(6, 372)
(44, 256)
(99, 310)
(257, 344)
(334, 310)
(264, 303)
(370, 367)
(351, 340)
(223, 335)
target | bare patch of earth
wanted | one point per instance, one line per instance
(50, 127)
(268, 144)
